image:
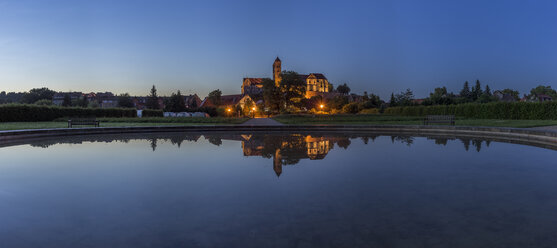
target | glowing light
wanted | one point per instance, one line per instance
(253, 108)
(321, 106)
(228, 110)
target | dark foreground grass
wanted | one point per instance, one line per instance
(126, 122)
(180, 120)
(403, 120)
(286, 119)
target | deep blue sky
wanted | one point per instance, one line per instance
(198, 46)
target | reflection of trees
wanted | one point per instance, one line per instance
(153, 144)
(213, 139)
(405, 139)
(466, 143)
(291, 148)
(366, 139)
(344, 143)
(283, 149)
(441, 141)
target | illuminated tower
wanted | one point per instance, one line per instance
(277, 163)
(276, 71)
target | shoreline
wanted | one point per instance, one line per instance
(537, 137)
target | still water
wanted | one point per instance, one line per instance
(276, 190)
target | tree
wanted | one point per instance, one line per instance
(440, 96)
(343, 89)
(44, 102)
(365, 97)
(371, 101)
(392, 101)
(292, 88)
(465, 92)
(67, 101)
(271, 95)
(543, 90)
(248, 107)
(37, 94)
(193, 104)
(215, 97)
(125, 101)
(487, 96)
(338, 102)
(3, 98)
(404, 98)
(487, 91)
(176, 103)
(351, 108)
(83, 102)
(477, 91)
(153, 100)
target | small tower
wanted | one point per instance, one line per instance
(276, 71)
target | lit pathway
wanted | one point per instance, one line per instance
(261, 122)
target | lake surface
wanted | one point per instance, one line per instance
(276, 190)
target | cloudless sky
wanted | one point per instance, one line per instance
(197, 46)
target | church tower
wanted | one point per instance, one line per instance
(276, 71)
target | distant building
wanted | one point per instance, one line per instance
(58, 98)
(106, 100)
(536, 98)
(139, 102)
(544, 98)
(418, 101)
(192, 101)
(503, 97)
(252, 86)
(228, 101)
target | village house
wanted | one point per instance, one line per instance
(58, 98)
(106, 100)
(503, 97)
(192, 101)
(229, 101)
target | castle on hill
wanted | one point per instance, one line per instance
(316, 83)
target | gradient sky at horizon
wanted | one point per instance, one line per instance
(198, 46)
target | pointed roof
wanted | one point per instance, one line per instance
(277, 59)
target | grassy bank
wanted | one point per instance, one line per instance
(403, 120)
(125, 122)
(179, 120)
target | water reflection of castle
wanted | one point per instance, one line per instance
(290, 150)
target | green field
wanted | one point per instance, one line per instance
(126, 122)
(285, 119)
(403, 120)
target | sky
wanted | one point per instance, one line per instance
(198, 46)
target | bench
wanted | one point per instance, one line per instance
(448, 119)
(83, 122)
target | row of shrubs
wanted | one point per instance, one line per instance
(24, 112)
(152, 113)
(495, 110)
